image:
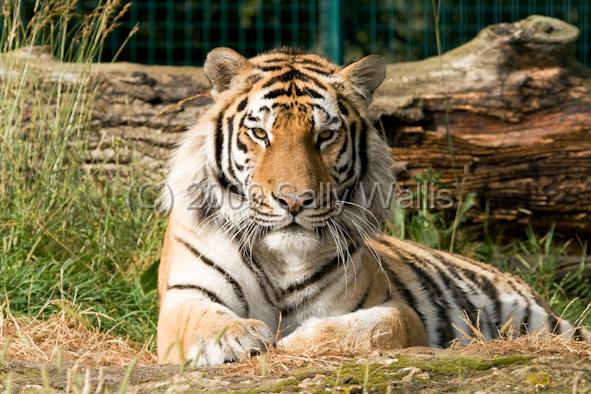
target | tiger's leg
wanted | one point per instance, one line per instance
(205, 333)
(392, 325)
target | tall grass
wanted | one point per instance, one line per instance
(64, 235)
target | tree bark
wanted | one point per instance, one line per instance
(506, 116)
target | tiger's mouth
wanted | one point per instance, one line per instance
(294, 226)
(297, 225)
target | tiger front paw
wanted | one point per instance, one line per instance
(208, 335)
(382, 327)
(233, 340)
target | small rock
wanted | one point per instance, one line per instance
(318, 379)
(423, 376)
(411, 372)
(355, 390)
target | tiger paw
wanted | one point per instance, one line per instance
(233, 340)
(315, 335)
(206, 334)
(381, 327)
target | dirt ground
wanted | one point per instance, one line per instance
(465, 370)
(63, 356)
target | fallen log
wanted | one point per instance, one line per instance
(506, 116)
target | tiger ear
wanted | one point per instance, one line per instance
(221, 66)
(365, 75)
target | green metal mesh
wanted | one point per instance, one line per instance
(183, 31)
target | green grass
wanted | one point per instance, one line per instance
(69, 241)
(63, 234)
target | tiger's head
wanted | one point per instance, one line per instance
(286, 155)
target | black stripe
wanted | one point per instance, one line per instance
(578, 335)
(263, 220)
(353, 161)
(235, 286)
(235, 186)
(445, 333)
(525, 321)
(261, 277)
(279, 57)
(219, 147)
(287, 76)
(553, 324)
(212, 297)
(268, 215)
(324, 270)
(242, 105)
(407, 295)
(252, 79)
(318, 70)
(219, 141)
(484, 319)
(342, 107)
(272, 68)
(321, 108)
(363, 148)
(363, 298)
(458, 294)
(293, 90)
(311, 92)
(239, 144)
(289, 309)
(315, 81)
(490, 290)
(310, 62)
(342, 151)
(230, 123)
(320, 214)
(319, 274)
(277, 93)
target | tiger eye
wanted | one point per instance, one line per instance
(325, 134)
(259, 133)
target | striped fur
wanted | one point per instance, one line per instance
(272, 234)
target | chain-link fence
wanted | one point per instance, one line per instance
(183, 31)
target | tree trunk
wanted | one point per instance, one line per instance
(506, 116)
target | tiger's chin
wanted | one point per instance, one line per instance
(292, 239)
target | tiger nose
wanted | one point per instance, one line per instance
(293, 203)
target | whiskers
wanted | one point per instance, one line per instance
(345, 227)
(363, 223)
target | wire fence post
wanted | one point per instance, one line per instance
(331, 30)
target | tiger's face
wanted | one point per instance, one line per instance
(291, 145)
(294, 146)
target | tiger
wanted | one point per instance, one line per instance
(272, 240)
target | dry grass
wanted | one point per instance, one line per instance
(62, 338)
(69, 337)
(277, 362)
(531, 344)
